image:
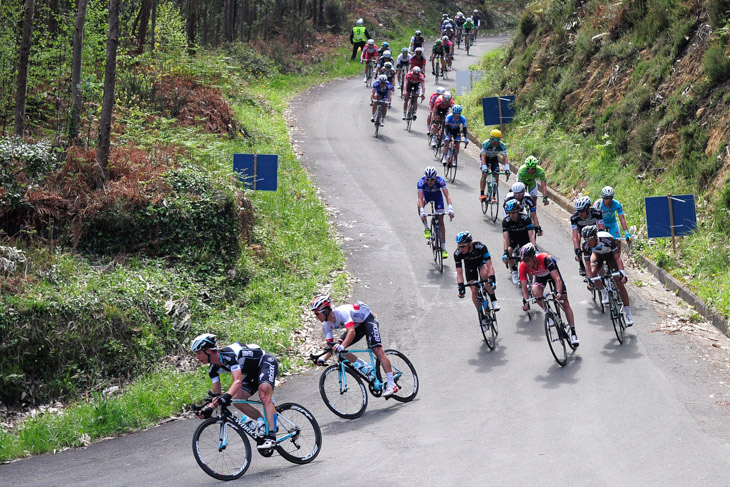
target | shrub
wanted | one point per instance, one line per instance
(718, 11)
(528, 23)
(716, 64)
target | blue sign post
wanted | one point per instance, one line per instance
(670, 216)
(257, 171)
(498, 110)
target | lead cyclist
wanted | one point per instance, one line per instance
(611, 208)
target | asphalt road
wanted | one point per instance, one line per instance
(644, 413)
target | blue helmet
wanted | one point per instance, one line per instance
(456, 109)
(512, 205)
(430, 172)
(463, 238)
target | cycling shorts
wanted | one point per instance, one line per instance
(438, 200)
(492, 166)
(268, 370)
(450, 132)
(613, 229)
(411, 87)
(368, 328)
(441, 113)
(518, 239)
(608, 258)
(471, 273)
(543, 280)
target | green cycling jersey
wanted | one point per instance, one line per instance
(524, 176)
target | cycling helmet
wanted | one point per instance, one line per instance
(206, 341)
(456, 109)
(496, 133)
(416, 70)
(531, 162)
(459, 14)
(512, 205)
(419, 49)
(404, 50)
(382, 78)
(447, 95)
(607, 192)
(476, 11)
(359, 21)
(430, 172)
(385, 44)
(469, 19)
(528, 251)
(463, 238)
(445, 38)
(582, 203)
(387, 54)
(440, 90)
(438, 42)
(518, 188)
(445, 16)
(371, 41)
(320, 302)
(418, 32)
(589, 231)
(388, 65)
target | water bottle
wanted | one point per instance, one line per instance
(261, 426)
(243, 419)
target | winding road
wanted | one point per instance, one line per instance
(644, 413)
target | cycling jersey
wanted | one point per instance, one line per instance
(491, 151)
(403, 61)
(610, 214)
(383, 60)
(545, 265)
(473, 260)
(369, 51)
(390, 73)
(417, 42)
(447, 25)
(454, 124)
(460, 22)
(428, 190)
(605, 244)
(527, 203)
(468, 26)
(530, 180)
(414, 81)
(256, 366)
(442, 104)
(346, 316)
(518, 229)
(420, 62)
(382, 89)
(437, 49)
(594, 217)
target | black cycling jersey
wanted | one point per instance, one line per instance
(518, 230)
(527, 203)
(479, 255)
(236, 356)
(594, 217)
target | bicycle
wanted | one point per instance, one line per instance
(615, 304)
(491, 202)
(435, 241)
(557, 330)
(468, 41)
(401, 79)
(439, 69)
(412, 104)
(369, 72)
(458, 38)
(223, 451)
(487, 315)
(452, 160)
(379, 115)
(341, 384)
(437, 132)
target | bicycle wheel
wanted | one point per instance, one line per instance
(485, 324)
(221, 449)
(468, 44)
(617, 317)
(409, 115)
(404, 375)
(494, 203)
(300, 439)
(437, 72)
(378, 115)
(451, 168)
(343, 393)
(485, 203)
(555, 338)
(439, 149)
(437, 256)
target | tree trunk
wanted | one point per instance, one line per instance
(154, 25)
(110, 77)
(192, 11)
(53, 16)
(73, 128)
(144, 23)
(21, 86)
(320, 18)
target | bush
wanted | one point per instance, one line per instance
(716, 64)
(528, 23)
(718, 10)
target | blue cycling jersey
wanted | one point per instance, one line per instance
(609, 212)
(454, 122)
(383, 89)
(431, 190)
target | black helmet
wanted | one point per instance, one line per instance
(589, 231)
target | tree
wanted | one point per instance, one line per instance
(192, 11)
(21, 86)
(110, 78)
(73, 128)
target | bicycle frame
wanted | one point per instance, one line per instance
(344, 362)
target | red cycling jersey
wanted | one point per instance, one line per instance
(369, 51)
(414, 78)
(442, 104)
(421, 63)
(545, 264)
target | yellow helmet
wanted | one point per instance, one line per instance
(497, 134)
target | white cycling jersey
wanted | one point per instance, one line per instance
(346, 316)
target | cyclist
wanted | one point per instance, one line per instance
(252, 369)
(477, 263)
(447, 27)
(432, 187)
(402, 65)
(386, 57)
(601, 247)
(544, 267)
(468, 27)
(448, 50)
(493, 149)
(418, 60)
(370, 51)
(388, 71)
(439, 91)
(385, 46)
(438, 113)
(529, 173)
(437, 51)
(517, 230)
(455, 122)
(527, 204)
(610, 208)
(382, 90)
(358, 37)
(459, 21)
(477, 22)
(416, 41)
(358, 321)
(584, 215)
(415, 83)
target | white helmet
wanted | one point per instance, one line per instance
(419, 49)
(388, 65)
(359, 21)
(387, 54)
(607, 192)
(447, 95)
(445, 38)
(382, 78)
(416, 70)
(440, 90)
(371, 41)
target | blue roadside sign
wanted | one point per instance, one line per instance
(257, 171)
(498, 110)
(660, 218)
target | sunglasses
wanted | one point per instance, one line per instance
(463, 246)
(430, 179)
